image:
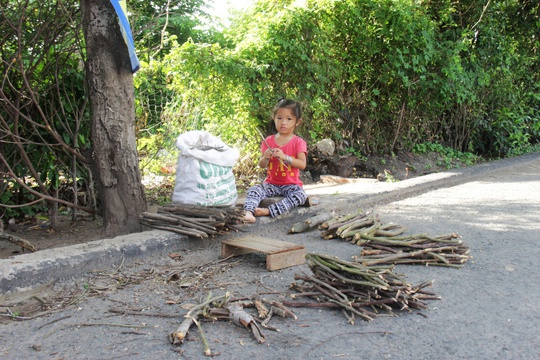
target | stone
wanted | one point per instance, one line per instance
(326, 147)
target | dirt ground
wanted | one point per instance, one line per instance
(85, 229)
(66, 233)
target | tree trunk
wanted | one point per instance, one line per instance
(111, 93)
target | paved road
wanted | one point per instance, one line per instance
(488, 310)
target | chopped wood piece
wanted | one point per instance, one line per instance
(262, 310)
(180, 334)
(216, 308)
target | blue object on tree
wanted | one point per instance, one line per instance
(120, 7)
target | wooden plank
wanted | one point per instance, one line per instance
(261, 244)
(279, 254)
(228, 250)
(285, 259)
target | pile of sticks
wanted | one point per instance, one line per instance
(193, 220)
(385, 244)
(226, 307)
(358, 290)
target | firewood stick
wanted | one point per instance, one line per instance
(334, 305)
(347, 305)
(262, 310)
(310, 304)
(304, 293)
(140, 313)
(397, 288)
(206, 351)
(159, 217)
(178, 220)
(447, 236)
(390, 231)
(179, 230)
(178, 336)
(439, 257)
(357, 222)
(456, 266)
(240, 317)
(210, 230)
(183, 220)
(327, 235)
(257, 333)
(335, 222)
(284, 311)
(395, 241)
(326, 288)
(318, 219)
(367, 230)
(182, 330)
(349, 267)
(194, 210)
(349, 317)
(392, 258)
(25, 244)
(299, 227)
(309, 223)
(382, 247)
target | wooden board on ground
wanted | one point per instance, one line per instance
(279, 254)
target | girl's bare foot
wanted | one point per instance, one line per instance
(262, 212)
(249, 217)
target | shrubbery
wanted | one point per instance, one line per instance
(376, 76)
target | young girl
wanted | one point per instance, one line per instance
(284, 155)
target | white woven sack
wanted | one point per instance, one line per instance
(204, 172)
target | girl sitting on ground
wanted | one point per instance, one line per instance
(283, 155)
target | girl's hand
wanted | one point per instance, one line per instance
(279, 154)
(265, 159)
(267, 154)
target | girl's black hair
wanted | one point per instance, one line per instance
(290, 104)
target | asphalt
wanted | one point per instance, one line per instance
(28, 271)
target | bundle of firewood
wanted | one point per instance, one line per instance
(385, 244)
(422, 249)
(193, 220)
(358, 290)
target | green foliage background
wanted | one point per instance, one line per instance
(377, 76)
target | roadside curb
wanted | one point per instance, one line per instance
(28, 271)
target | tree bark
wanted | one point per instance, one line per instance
(111, 93)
